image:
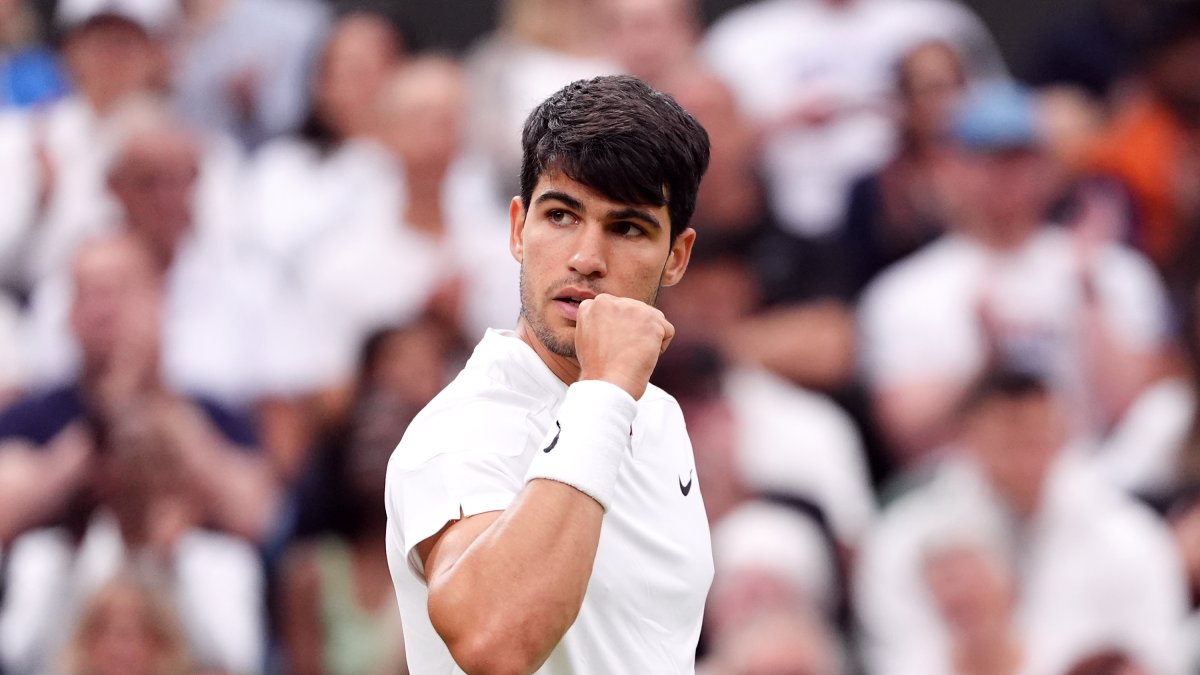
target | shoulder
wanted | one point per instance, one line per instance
(476, 412)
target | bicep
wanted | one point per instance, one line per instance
(438, 553)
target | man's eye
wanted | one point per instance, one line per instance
(558, 216)
(626, 229)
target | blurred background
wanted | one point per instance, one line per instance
(938, 350)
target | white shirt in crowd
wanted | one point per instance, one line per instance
(920, 319)
(778, 56)
(205, 347)
(325, 234)
(468, 452)
(1094, 570)
(215, 585)
(799, 443)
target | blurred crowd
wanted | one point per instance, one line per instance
(938, 353)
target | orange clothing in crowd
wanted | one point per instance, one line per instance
(1146, 148)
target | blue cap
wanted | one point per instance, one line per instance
(996, 117)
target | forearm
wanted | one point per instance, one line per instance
(517, 589)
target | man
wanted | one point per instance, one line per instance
(498, 491)
(116, 301)
(1005, 286)
(1071, 565)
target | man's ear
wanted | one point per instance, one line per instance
(516, 233)
(677, 259)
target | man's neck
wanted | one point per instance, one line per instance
(566, 368)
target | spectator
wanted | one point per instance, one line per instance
(902, 207)
(450, 233)
(539, 46)
(52, 160)
(160, 178)
(793, 319)
(1096, 568)
(30, 73)
(243, 65)
(145, 511)
(114, 316)
(815, 76)
(339, 609)
(652, 39)
(770, 557)
(320, 189)
(127, 628)
(755, 434)
(1003, 286)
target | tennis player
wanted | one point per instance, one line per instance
(544, 513)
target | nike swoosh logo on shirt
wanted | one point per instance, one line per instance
(685, 489)
(554, 442)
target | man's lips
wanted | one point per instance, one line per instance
(568, 300)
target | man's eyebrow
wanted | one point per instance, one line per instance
(637, 214)
(563, 197)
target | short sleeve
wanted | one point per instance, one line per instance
(456, 461)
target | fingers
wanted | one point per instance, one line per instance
(668, 335)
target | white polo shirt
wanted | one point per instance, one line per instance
(469, 449)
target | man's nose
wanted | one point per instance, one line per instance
(590, 257)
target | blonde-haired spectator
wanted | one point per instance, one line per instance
(127, 627)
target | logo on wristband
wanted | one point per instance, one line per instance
(554, 442)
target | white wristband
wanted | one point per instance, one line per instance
(589, 440)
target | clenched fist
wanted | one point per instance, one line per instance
(619, 340)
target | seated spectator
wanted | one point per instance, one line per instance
(815, 76)
(1096, 569)
(303, 195)
(241, 65)
(769, 556)
(539, 47)
(160, 178)
(794, 322)
(652, 39)
(52, 160)
(903, 206)
(30, 72)
(142, 508)
(115, 318)
(338, 605)
(127, 628)
(1003, 286)
(755, 434)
